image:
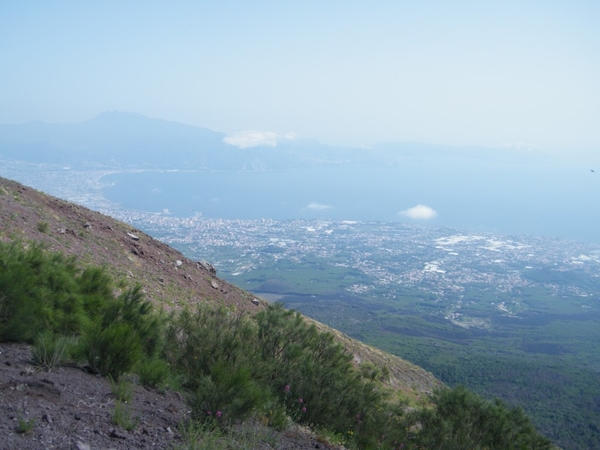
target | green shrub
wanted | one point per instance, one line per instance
(154, 373)
(114, 350)
(462, 419)
(228, 360)
(199, 340)
(96, 287)
(383, 427)
(125, 332)
(21, 311)
(132, 309)
(311, 373)
(40, 291)
(216, 353)
(226, 395)
(47, 294)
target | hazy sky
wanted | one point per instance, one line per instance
(523, 73)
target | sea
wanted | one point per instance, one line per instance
(550, 200)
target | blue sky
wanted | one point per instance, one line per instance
(524, 74)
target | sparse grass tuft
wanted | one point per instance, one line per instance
(328, 437)
(209, 436)
(50, 351)
(122, 417)
(42, 226)
(201, 436)
(276, 416)
(249, 436)
(122, 389)
(25, 426)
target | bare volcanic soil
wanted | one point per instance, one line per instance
(168, 278)
(69, 408)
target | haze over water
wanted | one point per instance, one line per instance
(546, 200)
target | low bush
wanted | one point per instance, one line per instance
(125, 332)
(46, 296)
(198, 340)
(215, 352)
(114, 350)
(38, 293)
(154, 373)
(312, 374)
(462, 419)
(227, 395)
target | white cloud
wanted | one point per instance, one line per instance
(247, 139)
(419, 212)
(318, 206)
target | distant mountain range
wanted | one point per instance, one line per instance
(129, 139)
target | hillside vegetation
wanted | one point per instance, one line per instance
(231, 367)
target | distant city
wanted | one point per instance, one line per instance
(380, 259)
(376, 259)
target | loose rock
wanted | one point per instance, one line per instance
(207, 266)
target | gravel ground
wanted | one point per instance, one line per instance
(69, 408)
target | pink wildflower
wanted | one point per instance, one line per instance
(218, 414)
(300, 400)
(209, 413)
(287, 388)
(304, 409)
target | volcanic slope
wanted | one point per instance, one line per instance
(168, 278)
